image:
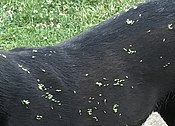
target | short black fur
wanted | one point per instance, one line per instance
(114, 74)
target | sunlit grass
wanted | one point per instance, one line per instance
(45, 22)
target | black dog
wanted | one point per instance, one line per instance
(114, 74)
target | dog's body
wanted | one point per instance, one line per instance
(114, 74)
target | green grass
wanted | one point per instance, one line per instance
(45, 22)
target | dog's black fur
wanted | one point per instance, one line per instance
(114, 74)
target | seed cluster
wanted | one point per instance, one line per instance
(24, 69)
(129, 50)
(100, 100)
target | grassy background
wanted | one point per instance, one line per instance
(45, 22)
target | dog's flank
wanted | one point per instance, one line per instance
(116, 73)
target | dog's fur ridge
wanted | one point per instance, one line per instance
(114, 74)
